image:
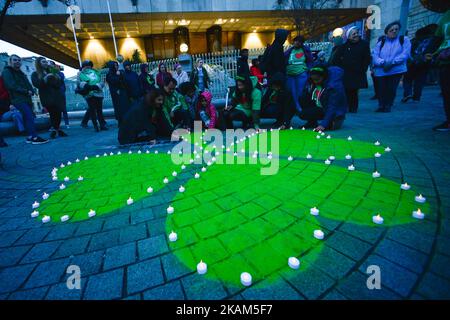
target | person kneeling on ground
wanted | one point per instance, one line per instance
(174, 110)
(323, 99)
(138, 125)
(278, 103)
(245, 103)
(205, 111)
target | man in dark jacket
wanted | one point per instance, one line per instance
(277, 102)
(273, 58)
(242, 63)
(354, 57)
(118, 89)
(146, 80)
(20, 92)
(132, 81)
(323, 99)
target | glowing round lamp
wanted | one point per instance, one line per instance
(338, 32)
(184, 48)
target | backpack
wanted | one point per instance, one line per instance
(383, 41)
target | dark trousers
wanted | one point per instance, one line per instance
(444, 75)
(375, 84)
(28, 118)
(413, 82)
(55, 116)
(182, 118)
(352, 99)
(94, 112)
(313, 114)
(235, 115)
(387, 87)
(64, 112)
(283, 113)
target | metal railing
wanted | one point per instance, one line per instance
(221, 68)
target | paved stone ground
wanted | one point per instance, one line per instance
(125, 255)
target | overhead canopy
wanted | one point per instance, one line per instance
(48, 34)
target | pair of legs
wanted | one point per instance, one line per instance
(413, 83)
(313, 114)
(16, 117)
(375, 87)
(352, 99)
(387, 87)
(28, 121)
(235, 115)
(444, 75)
(295, 85)
(65, 115)
(282, 113)
(94, 112)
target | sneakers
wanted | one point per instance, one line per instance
(405, 99)
(442, 127)
(62, 133)
(36, 140)
(53, 134)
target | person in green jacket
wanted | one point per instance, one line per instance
(20, 92)
(245, 103)
(442, 55)
(90, 85)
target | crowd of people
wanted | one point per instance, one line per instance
(278, 84)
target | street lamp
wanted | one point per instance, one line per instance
(184, 48)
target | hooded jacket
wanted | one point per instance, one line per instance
(146, 80)
(332, 99)
(273, 59)
(118, 89)
(18, 85)
(162, 76)
(49, 88)
(210, 109)
(132, 80)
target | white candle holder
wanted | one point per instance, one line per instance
(314, 211)
(420, 199)
(202, 267)
(377, 219)
(418, 214)
(405, 186)
(318, 234)
(170, 210)
(64, 218)
(246, 279)
(294, 263)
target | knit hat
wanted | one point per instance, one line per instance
(349, 31)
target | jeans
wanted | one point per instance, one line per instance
(28, 117)
(352, 99)
(387, 87)
(413, 83)
(444, 75)
(295, 85)
(94, 112)
(15, 116)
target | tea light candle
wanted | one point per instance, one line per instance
(45, 219)
(62, 165)
(246, 279)
(170, 209)
(64, 218)
(105, 154)
(327, 162)
(91, 213)
(183, 167)
(377, 219)
(69, 163)
(202, 268)
(405, 186)
(55, 178)
(328, 137)
(322, 133)
(149, 190)
(166, 181)
(156, 152)
(209, 163)
(308, 156)
(97, 156)
(66, 179)
(290, 158)
(213, 159)
(269, 157)
(147, 152)
(80, 178)
(130, 201)
(130, 152)
(169, 152)
(119, 153)
(139, 152)
(349, 138)
(197, 156)
(377, 155)
(203, 169)
(314, 211)
(293, 263)
(317, 137)
(387, 149)
(35, 205)
(376, 174)
(45, 196)
(77, 160)
(85, 158)
(351, 168)
(196, 176)
(318, 234)
(420, 199)
(303, 128)
(62, 187)
(174, 174)
(173, 237)
(348, 157)
(34, 214)
(332, 158)
(191, 161)
(418, 214)
(377, 143)
(181, 189)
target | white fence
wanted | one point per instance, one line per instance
(221, 67)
